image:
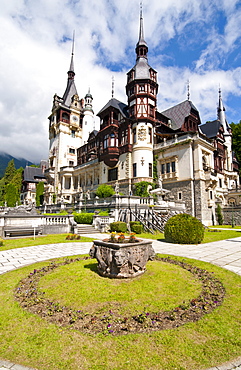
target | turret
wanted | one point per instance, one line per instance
(88, 119)
(141, 90)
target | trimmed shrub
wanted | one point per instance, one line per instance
(119, 227)
(83, 218)
(219, 214)
(136, 227)
(1, 242)
(184, 229)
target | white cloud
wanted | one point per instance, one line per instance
(36, 47)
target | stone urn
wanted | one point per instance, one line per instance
(122, 260)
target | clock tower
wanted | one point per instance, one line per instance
(65, 129)
(141, 90)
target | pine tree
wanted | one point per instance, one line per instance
(17, 181)
(9, 172)
(2, 185)
(11, 195)
(39, 193)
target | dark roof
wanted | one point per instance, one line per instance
(210, 129)
(92, 134)
(178, 113)
(121, 107)
(69, 92)
(32, 174)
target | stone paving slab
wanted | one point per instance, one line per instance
(226, 253)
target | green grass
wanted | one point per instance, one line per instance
(220, 235)
(225, 227)
(29, 340)
(83, 287)
(39, 240)
(208, 236)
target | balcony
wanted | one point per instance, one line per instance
(110, 156)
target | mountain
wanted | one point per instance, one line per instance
(5, 158)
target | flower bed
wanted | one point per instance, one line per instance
(112, 321)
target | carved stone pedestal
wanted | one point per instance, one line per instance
(122, 260)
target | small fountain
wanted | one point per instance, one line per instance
(160, 192)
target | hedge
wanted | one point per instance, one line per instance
(136, 227)
(84, 218)
(119, 227)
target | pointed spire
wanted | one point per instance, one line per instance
(141, 46)
(221, 111)
(188, 90)
(71, 88)
(113, 87)
(71, 68)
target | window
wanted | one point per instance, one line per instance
(113, 174)
(71, 163)
(65, 117)
(71, 150)
(179, 195)
(134, 135)
(169, 167)
(134, 170)
(73, 133)
(152, 111)
(124, 137)
(150, 135)
(220, 183)
(112, 139)
(211, 194)
(105, 141)
(142, 87)
(150, 169)
(173, 166)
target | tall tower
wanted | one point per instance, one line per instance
(65, 128)
(141, 90)
(227, 133)
(88, 119)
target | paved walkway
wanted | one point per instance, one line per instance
(226, 253)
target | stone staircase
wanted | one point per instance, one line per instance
(86, 229)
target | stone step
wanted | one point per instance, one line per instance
(86, 229)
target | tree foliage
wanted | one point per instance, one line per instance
(39, 194)
(104, 191)
(13, 177)
(11, 195)
(9, 172)
(141, 188)
(236, 130)
(219, 214)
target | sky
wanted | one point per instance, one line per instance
(189, 40)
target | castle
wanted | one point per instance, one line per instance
(194, 161)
